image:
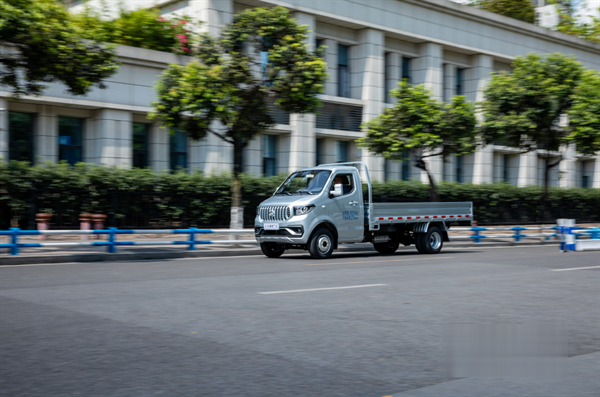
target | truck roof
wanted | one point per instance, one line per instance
(331, 167)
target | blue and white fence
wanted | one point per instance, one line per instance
(517, 234)
(112, 233)
(571, 236)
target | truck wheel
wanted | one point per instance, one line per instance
(433, 241)
(321, 244)
(419, 243)
(272, 250)
(388, 247)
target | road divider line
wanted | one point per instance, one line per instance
(575, 268)
(320, 289)
(392, 260)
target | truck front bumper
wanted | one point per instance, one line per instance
(287, 234)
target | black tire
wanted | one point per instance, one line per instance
(272, 250)
(433, 240)
(419, 243)
(386, 248)
(321, 244)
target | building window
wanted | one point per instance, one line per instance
(335, 116)
(269, 159)
(459, 81)
(584, 181)
(178, 149)
(319, 150)
(342, 153)
(20, 129)
(178, 5)
(459, 169)
(505, 161)
(70, 133)
(140, 145)
(406, 74)
(343, 71)
(405, 166)
(319, 43)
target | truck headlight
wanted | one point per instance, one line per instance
(303, 209)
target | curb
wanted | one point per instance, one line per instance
(105, 257)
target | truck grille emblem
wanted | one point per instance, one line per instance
(272, 214)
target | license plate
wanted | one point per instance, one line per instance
(271, 226)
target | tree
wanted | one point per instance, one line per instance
(524, 108)
(522, 10)
(143, 28)
(574, 25)
(423, 126)
(41, 45)
(260, 56)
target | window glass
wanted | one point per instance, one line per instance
(20, 127)
(140, 145)
(342, 155)
(405, 166)
(178, 149)
(406, 74)
(343, 71)
(70, 136)
(304, 182)
(269, 155)
(459, 81)
(459, 169)
(346, 180)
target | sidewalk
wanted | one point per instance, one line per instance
(147, 252)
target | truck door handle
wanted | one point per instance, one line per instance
(353, 202)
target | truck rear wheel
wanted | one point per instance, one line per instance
(433, 241)
(321, 244)
(419, 243)
(388, 247)
(272, 250)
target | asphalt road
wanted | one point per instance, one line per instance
(205, 327)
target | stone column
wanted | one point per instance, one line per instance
(528, 169)
(303, 139)
(214, 13)
(449, 82)
(568, 175)
(331, 58)
(113, 137)
(393, 65)
(158, 148)
(428, 70)
(476, 78)
(368, 64)
(4, 136)
(596, 177)
(45, 135)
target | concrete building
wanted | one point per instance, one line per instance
(451, 48)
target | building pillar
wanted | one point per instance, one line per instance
(449, 82)
(528, 169)
(393, 65)
(4, 134)
(369, 64)
(331, 58)
(596, 176)
(158, 148)
(567, 169)
(112, 141)
(214, 13)
(211, 155)
(252, 157)
(303, 138)
(45, 136)
(483, 167)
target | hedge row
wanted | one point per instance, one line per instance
(135, 198)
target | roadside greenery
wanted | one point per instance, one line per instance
(575, 25)
(423, 127)
(141, 198)
(143, 28)
(522, 10)
(41, 44)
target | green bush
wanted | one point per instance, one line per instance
(140, 198)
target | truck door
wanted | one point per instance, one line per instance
(347, 210)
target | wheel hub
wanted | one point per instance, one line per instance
(435, 240)
(323, 244)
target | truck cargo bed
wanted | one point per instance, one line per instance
(421, 212)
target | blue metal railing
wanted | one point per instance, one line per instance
(517, 235)
(112, 234)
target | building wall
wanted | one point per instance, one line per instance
(438, 36)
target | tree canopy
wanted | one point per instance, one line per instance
(422, 126)
(522, 10)
(42, 45)
(260, 57)
(575, 25)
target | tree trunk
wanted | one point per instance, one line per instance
(237, 210)
(433, 194)
(544, 199)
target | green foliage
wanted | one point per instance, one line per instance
(423, 126)
(584, 114)
(181, 199)
(572, 25)
(143, 28)
(522, 10)
(42, 45)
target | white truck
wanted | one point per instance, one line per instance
(318, 208)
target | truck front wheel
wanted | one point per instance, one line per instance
(388, 247)
(272, 250)
(321, 244)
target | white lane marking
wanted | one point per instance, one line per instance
(320, 289)
(575, 268)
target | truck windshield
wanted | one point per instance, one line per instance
(304, 182)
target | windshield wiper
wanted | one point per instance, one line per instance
(304, 191)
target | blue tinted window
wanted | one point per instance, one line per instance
(178, 149)
(20, 129)
(70, 136)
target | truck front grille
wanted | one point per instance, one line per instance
(275, 213)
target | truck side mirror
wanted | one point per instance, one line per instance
(337, 190)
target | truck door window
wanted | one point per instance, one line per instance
(347, 182)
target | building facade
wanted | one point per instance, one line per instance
(451, 48)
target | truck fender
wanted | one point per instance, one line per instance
(424, 228)
(327, 225)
